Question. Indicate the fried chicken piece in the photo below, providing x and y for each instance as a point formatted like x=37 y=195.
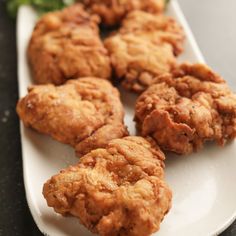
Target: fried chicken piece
x=114 y=191
x=66 y=45
x=137 y=60
x=144 y=48
x=184 y=109
x=84 y=113
x=113 y=11
x=159 y=28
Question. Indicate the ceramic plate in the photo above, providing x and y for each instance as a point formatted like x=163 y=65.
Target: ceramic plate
x=203 y=184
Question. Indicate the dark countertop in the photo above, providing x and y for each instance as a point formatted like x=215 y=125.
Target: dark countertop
x=15 y=218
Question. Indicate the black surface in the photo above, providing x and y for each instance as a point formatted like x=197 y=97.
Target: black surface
x=15 y=218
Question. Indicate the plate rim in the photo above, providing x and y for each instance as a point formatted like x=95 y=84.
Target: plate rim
x=189 y=34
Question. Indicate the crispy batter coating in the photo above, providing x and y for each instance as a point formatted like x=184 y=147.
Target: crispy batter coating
x=66 y=45
x=84 y=113
x=144 y=47
x=113 y=11
x=183 y=110
x=114 y=191
x=160 y=28
x=138 y=60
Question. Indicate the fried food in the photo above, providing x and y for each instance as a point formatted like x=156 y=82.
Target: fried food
x=159 y=28
x=66 y=45
x=144 y=48
x=137 y=60
x=184 y=109
x=114 y=191
x=113 y=11
x=84 y=113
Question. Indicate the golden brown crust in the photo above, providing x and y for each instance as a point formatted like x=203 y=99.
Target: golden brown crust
x=144 y=48
x=112 y=12
x=183 y=110
x=66 y=45
x=138 y=60
x=159 y=28
x=114 y=191
x=78 y=113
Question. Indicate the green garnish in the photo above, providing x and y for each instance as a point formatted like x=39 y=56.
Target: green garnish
x=41 y=6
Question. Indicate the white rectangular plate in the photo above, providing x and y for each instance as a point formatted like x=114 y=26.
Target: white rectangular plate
x=203 y=184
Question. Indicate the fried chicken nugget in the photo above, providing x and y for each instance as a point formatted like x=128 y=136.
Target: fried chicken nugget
x=138 y=60
x=159 y=28
x=84 y=113
x=114 y=191
x=183 y=110
x=66 y=45
x=113 y=11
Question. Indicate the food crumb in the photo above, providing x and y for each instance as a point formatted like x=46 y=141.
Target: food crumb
x=5 y=116
x=6 y=112
x=4 y=120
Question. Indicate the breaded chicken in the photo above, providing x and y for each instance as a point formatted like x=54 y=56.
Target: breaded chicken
x=114 y=191
x=66 y=45
x=138 y=60
x=159 y=28
x=113 y=11
x=84 y=113
x=183 y=110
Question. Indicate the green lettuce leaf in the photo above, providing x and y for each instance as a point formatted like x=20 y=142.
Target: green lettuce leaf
x=42 y=6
